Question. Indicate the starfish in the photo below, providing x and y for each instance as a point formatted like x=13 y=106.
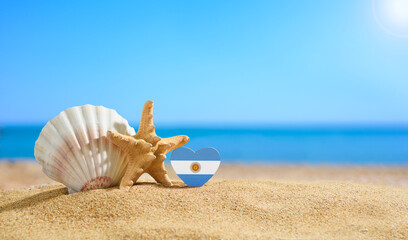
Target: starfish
x=146 y=151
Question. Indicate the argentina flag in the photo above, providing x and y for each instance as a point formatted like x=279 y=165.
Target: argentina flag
x=195 y=168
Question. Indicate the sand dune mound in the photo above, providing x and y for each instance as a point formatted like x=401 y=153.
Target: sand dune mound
x=221 y=209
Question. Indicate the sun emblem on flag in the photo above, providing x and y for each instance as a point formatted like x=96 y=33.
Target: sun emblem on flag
x=195 y=167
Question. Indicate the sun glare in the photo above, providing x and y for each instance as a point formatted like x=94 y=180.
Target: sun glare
x=392 y=16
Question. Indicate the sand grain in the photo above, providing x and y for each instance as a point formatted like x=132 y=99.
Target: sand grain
x=228 y=209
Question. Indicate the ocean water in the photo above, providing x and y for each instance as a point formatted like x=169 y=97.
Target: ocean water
x=305 y=145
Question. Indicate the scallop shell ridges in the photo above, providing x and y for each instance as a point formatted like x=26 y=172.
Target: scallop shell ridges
x=73 y=148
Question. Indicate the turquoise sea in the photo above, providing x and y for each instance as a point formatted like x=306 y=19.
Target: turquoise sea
x=310 y=145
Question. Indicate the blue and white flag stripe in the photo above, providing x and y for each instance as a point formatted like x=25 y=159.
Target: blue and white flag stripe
x=195 y=180
x=206 y=167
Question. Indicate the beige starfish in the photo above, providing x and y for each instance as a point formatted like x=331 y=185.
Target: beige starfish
x=146 y=151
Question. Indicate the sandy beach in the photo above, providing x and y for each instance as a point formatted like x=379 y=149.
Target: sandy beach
x=240 y=202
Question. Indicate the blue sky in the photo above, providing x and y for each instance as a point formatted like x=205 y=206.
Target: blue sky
x=202 y=61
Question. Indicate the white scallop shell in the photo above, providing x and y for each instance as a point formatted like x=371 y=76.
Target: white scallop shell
x=73 y=149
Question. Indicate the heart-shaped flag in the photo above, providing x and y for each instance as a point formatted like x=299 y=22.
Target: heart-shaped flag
x=195 y=168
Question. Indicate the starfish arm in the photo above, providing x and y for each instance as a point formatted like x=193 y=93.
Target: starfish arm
x=166 y=145
x=157 y=170
x=146 y=121
x=137 y=163
x=146 y=127
x=124 y=142
x=127 y=181
x=139 y=155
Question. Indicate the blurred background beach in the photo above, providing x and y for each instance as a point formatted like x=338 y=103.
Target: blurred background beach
x=335 y=145
x=311 y=83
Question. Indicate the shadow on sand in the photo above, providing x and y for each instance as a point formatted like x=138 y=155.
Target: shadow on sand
x=175 y=185
x=50 y=194
x=34 y=199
